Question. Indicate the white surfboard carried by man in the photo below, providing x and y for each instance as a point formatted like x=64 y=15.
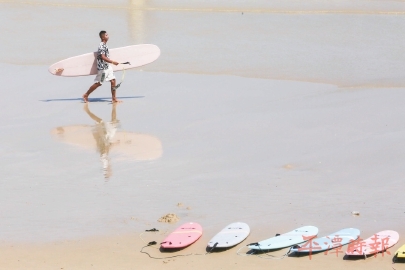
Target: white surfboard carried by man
x=104 y=62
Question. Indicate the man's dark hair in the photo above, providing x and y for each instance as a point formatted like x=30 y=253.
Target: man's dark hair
x=101 y=34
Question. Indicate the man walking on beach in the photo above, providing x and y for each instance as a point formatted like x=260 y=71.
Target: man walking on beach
x=104 y=70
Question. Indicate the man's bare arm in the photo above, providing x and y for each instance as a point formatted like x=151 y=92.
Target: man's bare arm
x=105 y=58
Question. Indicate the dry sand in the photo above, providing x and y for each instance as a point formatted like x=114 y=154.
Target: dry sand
x=122 y=252
x=289 y=114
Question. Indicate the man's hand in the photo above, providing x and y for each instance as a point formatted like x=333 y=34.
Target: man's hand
x=115 y=63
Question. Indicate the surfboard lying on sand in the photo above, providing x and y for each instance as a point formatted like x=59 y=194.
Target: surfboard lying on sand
x=400 y=253
x=334 y=240
x=230 y=236
x=86 y=64
x=183 y=236
x=378 y=242
x=294 y=237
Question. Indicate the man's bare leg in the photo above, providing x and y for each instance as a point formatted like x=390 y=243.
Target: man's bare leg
x=114 y=113
x=91 y=89
x=114 y=99
x=92 y=115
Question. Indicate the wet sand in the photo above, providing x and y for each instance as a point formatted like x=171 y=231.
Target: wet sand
x=276 y=118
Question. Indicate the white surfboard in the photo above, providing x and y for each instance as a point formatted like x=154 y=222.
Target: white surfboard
x=231 y=235
x=86 y=64
x=333 y=240
x=294 y=237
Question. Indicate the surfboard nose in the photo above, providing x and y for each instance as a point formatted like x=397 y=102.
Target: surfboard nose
x=56 y=70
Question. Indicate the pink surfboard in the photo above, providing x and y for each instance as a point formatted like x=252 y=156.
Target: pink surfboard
x=183 y=236
x=378 y=242
x=86 y=64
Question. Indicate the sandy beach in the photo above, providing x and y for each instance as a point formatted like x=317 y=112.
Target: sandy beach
x=279 y=114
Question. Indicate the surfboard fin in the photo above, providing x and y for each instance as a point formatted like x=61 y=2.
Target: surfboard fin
x=214 y=246
x=152 y=230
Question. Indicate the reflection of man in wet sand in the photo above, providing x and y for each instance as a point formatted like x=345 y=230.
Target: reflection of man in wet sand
x=103 y=133
x=105 y=137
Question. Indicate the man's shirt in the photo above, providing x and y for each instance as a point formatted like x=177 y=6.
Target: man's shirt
x=102 y=49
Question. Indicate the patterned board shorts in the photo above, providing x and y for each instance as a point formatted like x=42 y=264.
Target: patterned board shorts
x=104 y=75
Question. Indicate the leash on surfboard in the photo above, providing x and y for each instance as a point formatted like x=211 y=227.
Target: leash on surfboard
x=123 y=75
x=262 y=251
x=153 y=243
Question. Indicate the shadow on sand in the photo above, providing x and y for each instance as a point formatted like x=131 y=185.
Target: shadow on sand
x=303 y=254
x=271 y=253
x=103 y=99
x=358 y=257
x=219 y=250
x=395 y=259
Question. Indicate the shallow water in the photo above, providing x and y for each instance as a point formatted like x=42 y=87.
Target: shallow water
x=346 y=43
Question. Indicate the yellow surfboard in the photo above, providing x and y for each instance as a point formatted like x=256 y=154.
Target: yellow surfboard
x=400 y=253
